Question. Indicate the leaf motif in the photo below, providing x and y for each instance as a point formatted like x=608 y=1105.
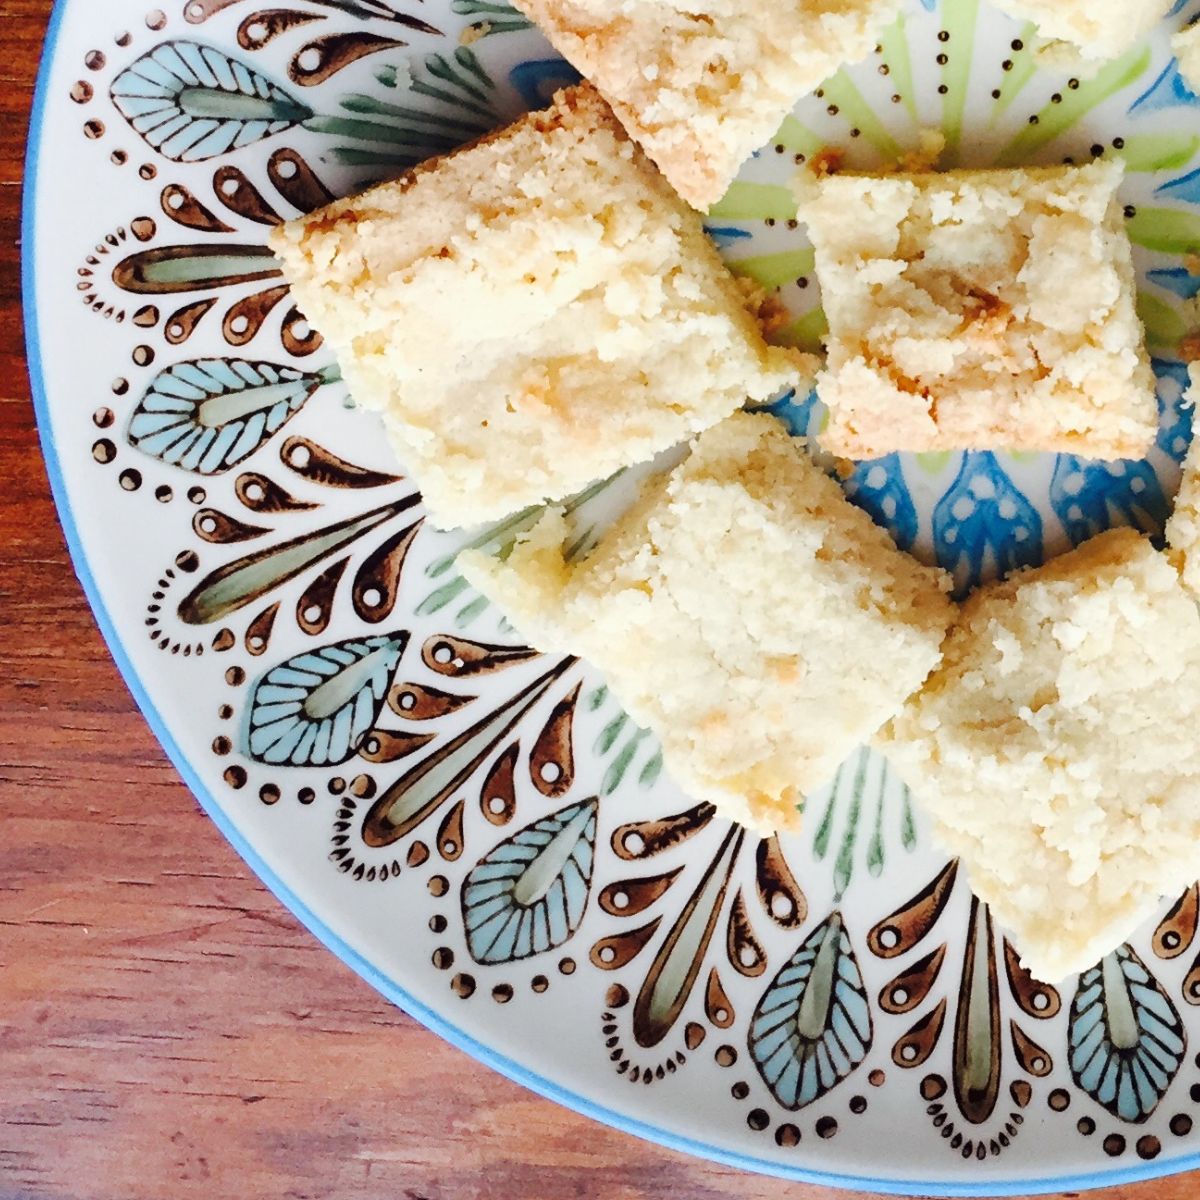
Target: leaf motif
x=210 y=414
x=977 y=1057
x=1176 y=415
x=801 y=415
x=315 y=708
x=812 y=1027
x=1126 y=1042
x=984 y=527
x=411 y=799
x=1090 y=497
x=529 y=894
x=192 y=102
x=1169 y=90
x=676 y=967
x=880 y=489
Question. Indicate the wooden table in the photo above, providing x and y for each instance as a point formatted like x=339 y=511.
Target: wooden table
x=166 y=1028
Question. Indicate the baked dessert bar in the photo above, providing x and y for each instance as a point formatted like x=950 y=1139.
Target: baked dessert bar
x=1087 y=33
x=703 y=85
x=1055 y=748
x=531 y=313
x=980 y=309
x=744 y=611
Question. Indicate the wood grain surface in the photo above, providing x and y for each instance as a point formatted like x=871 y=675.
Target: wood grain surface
x=166 y=1028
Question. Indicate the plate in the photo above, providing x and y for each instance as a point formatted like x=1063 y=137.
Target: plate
x=367 y=732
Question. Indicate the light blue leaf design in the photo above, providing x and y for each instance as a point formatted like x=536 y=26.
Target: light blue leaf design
x=726 y=235
x=529 y=894
x=799 y=414
x=1179 y=281
x=880 y=489
x=315 y=709
x=984 y=527
x=1175 y=417
x=1126 y=1042
x=212 y=413
x=1090 y=497
x=1186 y=187
x=812 y=1027
x=1168 y=91
x=192 y=102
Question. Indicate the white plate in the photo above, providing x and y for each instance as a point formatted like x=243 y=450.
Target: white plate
x=284 y=554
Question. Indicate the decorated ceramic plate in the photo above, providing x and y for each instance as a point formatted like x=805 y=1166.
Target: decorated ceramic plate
x=831 y=1006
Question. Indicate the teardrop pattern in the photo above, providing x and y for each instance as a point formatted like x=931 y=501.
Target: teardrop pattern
x=1177 y=930
x=676 y=966
x=911 y=923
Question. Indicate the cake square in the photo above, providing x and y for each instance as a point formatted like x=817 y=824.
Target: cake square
x=744 y=611
x=1087 y=33
x=980 y=310
x=1056 y=748
x=531 y=313
x=702 y=86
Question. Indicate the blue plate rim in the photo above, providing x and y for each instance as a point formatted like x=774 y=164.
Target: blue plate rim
x=388 y=988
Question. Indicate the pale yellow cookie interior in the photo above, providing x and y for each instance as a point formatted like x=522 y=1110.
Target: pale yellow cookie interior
x=980 y=310
x=531 y=313
x=744 y=611
x=1085 y=34
x=702 y=85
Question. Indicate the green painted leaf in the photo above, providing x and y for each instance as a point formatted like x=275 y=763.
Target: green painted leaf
x=806 y=332
x=1169 y=230
x=774 y=270
x=1164 y=326
x=755 y=202
x=1158 y=151
x=840 y=90
x=1056 y=118
x=798 y=138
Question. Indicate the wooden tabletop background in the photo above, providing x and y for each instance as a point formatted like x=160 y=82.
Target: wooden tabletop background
x=166 y=1028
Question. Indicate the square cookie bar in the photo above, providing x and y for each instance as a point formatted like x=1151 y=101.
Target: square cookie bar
x=703 y=85
x=980 y=310
x=744 y=611
x=531 y=313
x=1088 y=33
x=1056 y=748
